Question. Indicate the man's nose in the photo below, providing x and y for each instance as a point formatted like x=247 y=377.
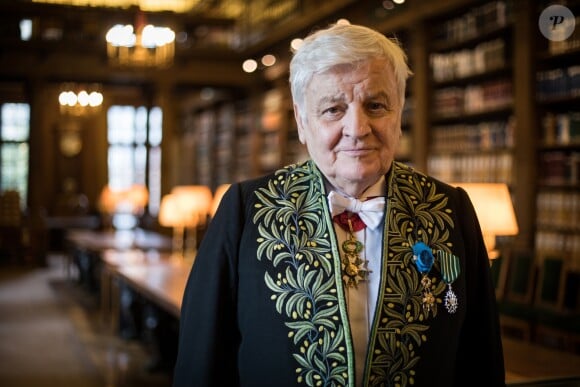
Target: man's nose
x=357 y=123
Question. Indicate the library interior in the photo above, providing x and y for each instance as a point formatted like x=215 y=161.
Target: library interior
x=123 y=122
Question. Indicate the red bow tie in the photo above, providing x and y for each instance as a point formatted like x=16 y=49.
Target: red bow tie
x=343 y=219
x=368 y=212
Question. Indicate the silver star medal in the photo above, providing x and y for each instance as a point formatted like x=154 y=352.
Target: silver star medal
x=449 y=266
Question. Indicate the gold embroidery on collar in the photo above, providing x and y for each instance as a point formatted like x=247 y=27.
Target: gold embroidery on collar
x=302 y=278
x=305 y=285
x=415 y=211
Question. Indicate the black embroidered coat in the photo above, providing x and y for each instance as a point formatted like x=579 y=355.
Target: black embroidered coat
x=264 y=303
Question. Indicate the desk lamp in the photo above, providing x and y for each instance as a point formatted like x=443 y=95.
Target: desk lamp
x=108 y=202
x=138 y=196
x=194 y=203
x=494 y=209
x=171 y=215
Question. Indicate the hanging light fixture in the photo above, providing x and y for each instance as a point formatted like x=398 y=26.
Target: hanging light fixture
x=142 y=45
x=80 y=99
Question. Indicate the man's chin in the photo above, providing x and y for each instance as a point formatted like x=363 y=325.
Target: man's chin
x=361 y=175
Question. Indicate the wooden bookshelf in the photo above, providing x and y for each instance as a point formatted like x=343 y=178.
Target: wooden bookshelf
x=557 y=95
x=471 y=111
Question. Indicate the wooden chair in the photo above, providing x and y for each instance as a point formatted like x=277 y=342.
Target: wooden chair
x=551 y=283
x=557 y=305
x=515 y=307
x=12 y=233
x=499 y=271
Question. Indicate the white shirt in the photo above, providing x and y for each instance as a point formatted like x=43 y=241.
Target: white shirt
x=362 y=300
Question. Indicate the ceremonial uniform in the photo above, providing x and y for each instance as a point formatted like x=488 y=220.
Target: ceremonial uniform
x=265 y=302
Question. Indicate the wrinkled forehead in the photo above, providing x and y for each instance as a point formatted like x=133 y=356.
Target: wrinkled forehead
x=372 y=64
x=374 y=76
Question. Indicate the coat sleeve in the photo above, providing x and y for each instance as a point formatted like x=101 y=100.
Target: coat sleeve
x=208 y=332
x=480 y=345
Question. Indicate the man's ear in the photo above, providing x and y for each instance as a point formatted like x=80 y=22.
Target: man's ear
x=299 y=124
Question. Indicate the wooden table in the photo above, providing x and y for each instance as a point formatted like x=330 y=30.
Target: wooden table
x=90 y=245
x=57 y=227
x=113 y=261
x=98 y=241
x=162 y=282
x=132 y=266
x=107 y=249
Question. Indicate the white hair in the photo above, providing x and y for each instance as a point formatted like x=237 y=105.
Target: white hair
x=344 y=44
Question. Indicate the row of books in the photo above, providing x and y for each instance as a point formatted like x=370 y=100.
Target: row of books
x=486 y=135
x=560 y=168
x=405 y=148
x=558 y=83
x=242 y=169
x=270 y=155
x=483 y=97
x=225 y=144
x=225 y=135
x=204 y=140
x=408 y=111
x=561 y=129
x=568 y=245
x=475 y=21
x=472 y=168
x=558 y=209
x=296 y=152
x=484 y=57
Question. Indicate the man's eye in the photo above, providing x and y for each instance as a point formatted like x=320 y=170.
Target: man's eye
x=332 y=110
x=374 y=106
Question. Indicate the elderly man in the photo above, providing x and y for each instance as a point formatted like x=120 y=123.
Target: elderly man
x=350 y=269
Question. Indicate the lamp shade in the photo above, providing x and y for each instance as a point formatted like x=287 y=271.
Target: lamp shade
x=170 y=214
x=109 y=200
x=194 y=202
x=138 y=196
x=493 y=206
x=217 y=198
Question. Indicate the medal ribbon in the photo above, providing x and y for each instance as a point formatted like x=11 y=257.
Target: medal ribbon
x=449 y=266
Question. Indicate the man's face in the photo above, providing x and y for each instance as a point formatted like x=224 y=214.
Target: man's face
x=352 y=123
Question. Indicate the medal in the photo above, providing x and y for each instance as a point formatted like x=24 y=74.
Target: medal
x=354 y=269
x=423 y=258
x=451 y=300
x=449 y=271
x=428 y=300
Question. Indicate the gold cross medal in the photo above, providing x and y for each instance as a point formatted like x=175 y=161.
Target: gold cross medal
x=423 y=258
x=354 y=269
x=449 y=266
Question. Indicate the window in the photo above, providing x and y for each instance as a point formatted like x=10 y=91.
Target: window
x=14 y=149
x=134 y=136
x=25 y=29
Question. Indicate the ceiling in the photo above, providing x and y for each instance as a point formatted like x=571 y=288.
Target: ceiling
x=224 y=8
x=213 y=37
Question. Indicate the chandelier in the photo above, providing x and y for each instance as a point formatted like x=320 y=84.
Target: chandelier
x=79 y=100
x=144 y=45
